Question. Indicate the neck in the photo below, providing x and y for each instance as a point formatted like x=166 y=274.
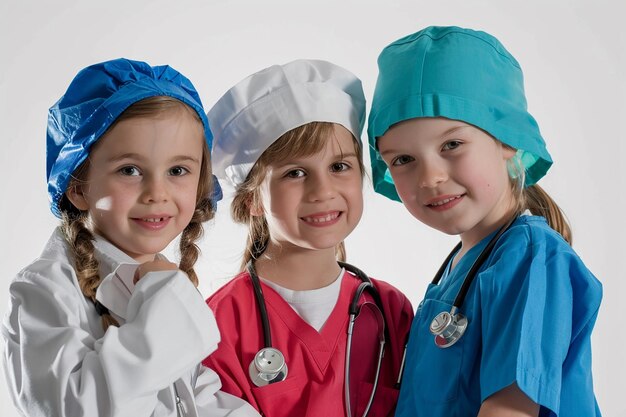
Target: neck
x=298 y=268
x=469 y=240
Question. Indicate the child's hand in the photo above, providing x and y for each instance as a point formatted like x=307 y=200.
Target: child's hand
x=151 y=266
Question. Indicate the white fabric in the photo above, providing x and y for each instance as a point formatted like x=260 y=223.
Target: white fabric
x=314 y=306
x=267 y=104
x=59 y=362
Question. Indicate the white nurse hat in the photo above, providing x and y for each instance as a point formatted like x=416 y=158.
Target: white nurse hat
x=267 y=104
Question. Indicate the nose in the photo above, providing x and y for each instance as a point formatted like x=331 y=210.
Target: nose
x=321 y=187
x=432 y=173
x=155 y=190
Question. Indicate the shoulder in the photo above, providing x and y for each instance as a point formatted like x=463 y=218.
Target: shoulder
x=529 y=235
x=238 y=290
x=534 y=230
x=393 y=300
x=52 y=268
x=532 y=250
x=389 y=293
x=45 y=288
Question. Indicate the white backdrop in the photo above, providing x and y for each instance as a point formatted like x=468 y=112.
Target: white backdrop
x=572 y=52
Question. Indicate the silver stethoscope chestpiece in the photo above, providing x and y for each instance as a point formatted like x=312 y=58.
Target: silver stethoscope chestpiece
x=268 y=366
x=448 y=328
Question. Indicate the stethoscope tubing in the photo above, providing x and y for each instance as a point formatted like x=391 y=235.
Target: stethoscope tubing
x=449 y=327
x=366 y=285
x=260 y=300
x=381 y=354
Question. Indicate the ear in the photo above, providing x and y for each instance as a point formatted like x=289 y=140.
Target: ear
x=77 y=197
x=256 y=209
x=507 y=151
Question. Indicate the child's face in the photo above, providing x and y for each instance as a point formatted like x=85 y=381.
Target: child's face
x=142 y=182
x=314 y=202
x=450 y=175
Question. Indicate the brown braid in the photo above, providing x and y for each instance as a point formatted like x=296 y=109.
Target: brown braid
x=188 y=248
x=205 y=211
x=80 y=241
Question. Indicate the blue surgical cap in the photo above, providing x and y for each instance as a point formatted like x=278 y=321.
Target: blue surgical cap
x=458 y=74
x=94 y=100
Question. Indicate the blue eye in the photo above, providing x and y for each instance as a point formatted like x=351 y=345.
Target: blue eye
x=450 y=145
x=401 y=160
x=129 y=170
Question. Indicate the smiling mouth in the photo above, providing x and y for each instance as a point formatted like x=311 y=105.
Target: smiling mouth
x=154 y=219
x=152 y=223
x=444 y=201
x=321 y=219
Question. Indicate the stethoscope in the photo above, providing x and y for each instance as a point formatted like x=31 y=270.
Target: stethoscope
x=449 y=327
x=269 y=366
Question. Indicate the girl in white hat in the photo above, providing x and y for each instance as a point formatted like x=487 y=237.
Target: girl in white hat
x=288 y=139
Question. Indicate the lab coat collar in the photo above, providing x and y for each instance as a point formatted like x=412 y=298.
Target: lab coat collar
x=117 y=271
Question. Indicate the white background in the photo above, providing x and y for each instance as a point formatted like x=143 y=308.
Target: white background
x=574 y=58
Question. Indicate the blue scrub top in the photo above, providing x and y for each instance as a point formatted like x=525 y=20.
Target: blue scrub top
x=531 y=310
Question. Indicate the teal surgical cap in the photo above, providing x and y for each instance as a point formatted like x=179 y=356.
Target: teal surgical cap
x=458 y=74
x=94 y=100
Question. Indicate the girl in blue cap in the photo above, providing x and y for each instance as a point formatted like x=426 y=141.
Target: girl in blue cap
x=101 y=324
x=505 y=326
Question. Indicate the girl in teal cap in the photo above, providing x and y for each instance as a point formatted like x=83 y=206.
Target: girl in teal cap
x=101 y=324
x=505 y=327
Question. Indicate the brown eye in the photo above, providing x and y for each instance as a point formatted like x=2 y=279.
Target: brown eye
x=339 y=167
x=295 y=173
x=178 y=171
x=129 y=170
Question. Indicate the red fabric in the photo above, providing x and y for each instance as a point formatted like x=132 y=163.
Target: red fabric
x=315 y=382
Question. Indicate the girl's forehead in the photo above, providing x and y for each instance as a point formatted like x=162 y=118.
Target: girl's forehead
x=336 y=144
x=169 y=133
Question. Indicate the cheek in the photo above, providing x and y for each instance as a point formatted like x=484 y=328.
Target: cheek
x=356 y=201
x=406 y=189
x=107 y=199
x=277 y=197
x=491 y=179
x=187 y=199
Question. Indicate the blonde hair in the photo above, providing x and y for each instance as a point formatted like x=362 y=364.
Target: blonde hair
x=302 y=141
x=535 y=199
x=78 y=230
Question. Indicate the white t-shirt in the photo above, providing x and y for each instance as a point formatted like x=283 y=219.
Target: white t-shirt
x=314 y=306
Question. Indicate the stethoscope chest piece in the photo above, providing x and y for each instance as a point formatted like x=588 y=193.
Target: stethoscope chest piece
x=448 y=328
x=268 y=366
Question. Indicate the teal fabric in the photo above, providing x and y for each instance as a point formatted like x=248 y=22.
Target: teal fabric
x=458 y=74
x=531 y=311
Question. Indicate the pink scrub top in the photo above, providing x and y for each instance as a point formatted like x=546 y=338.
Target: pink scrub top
x=316 y=361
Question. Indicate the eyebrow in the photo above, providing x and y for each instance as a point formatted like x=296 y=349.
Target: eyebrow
x=453 y=129
x=447 y=132
x=346 y=155
x=297 y=161
x=130 y=155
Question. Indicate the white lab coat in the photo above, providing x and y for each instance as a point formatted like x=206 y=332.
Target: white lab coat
x=59 y=362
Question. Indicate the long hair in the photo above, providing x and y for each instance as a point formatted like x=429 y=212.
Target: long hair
x=302 y=141
x=77 y=227
x=536 y=200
